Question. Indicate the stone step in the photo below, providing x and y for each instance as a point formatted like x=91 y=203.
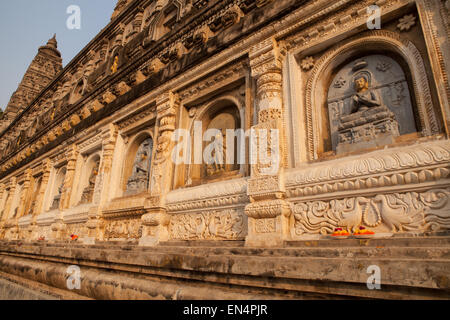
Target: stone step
x=404 y=248
x=421 y=272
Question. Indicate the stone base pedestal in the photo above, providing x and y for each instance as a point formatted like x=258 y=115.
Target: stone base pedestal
x=367 y=129
x=88 y=240
x=58 y=229
x=270 y=232
x=154 y=228
x=148 y=242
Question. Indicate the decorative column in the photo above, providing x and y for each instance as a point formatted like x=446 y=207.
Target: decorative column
x=38 y=208
x=268 y=211
x=95 y=223
x=155 y=222
x=2 y=211
x=58 y=227
x=24 y=196
x=8 y=224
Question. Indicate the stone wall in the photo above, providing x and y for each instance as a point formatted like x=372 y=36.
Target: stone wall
x=375 y=154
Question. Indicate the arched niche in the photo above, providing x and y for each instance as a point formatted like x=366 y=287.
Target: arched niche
x=166 y=14
x=382 y=43
x=218 y=116
x=88 y=179
x=79 y=90
x=57 y=190
x=137 y=168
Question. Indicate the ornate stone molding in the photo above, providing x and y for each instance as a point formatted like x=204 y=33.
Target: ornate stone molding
x=213 y=82
x=205 y=193
x=392 y=167
x=268 y=209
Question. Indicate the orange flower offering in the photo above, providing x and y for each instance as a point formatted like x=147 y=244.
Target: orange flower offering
x=363 y=231
x=74 y=237
x=339 y=232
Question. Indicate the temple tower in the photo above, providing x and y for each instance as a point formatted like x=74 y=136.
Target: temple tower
x=45 y=66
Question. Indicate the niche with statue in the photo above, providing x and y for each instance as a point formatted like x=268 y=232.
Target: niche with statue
x=369 y=104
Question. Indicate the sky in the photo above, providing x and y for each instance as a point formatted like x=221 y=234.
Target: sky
x=25 y=25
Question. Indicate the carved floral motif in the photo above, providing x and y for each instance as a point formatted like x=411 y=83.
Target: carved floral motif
x=407 y=22
x=307 y=63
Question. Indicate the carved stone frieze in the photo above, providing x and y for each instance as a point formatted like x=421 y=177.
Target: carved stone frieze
x=212 y=225
x=123 y=229
x=398 y=212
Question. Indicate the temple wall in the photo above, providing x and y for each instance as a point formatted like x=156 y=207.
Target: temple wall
x=104 y=170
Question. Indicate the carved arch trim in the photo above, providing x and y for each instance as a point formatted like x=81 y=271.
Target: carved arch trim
x=390 y=41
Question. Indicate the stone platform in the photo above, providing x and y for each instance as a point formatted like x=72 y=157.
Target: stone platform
x=411 y=268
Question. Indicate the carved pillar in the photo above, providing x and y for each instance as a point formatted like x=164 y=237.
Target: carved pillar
x=102 y=186
x=435 y=24
x=58 y=227
x=8 y=224
x=155 y=222
x=2 y=207
x=268 y=211
x=24 y=197
x=38 y=208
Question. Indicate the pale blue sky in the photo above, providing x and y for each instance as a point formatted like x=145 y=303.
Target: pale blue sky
x=25 y=25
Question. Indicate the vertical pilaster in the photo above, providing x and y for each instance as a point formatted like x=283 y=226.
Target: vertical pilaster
x=8 y=223
x=435 y=24
x=58 y=227
x=2 y=207
x=25 y=194
x=155 y=222
x=23 y=201
x=102 y=186
x=38 y=208
x=268 y=211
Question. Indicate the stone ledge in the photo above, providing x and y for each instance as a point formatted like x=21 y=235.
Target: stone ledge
x=417 y=268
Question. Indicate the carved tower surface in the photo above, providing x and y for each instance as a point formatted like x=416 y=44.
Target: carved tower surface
x=45 y=66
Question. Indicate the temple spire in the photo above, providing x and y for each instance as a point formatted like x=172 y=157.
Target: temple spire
x=42 y=70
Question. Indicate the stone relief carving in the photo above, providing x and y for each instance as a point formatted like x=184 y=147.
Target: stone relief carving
x=369 y=103
x=88 y=192
x=123 y=229
x=138 y=182
x=218 y=165
x=213 y=225
x=398 y=212
x=391 y=41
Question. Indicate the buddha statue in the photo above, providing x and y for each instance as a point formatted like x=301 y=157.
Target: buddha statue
x=364 y=98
